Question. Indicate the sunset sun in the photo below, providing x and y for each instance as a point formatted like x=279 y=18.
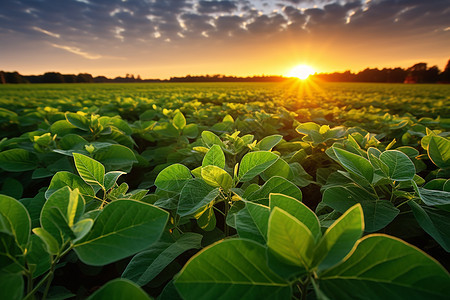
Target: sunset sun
x=301 y=72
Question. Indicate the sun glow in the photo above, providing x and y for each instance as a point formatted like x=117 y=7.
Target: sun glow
x=301 y=72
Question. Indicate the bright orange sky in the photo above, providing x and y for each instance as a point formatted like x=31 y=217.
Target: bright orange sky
x=164 y=38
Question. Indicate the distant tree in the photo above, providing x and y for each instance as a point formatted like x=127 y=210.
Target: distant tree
x=431 y=75
x=84 y=78
x=69 y=78
x=14 y=77
x=2 y=77
x=417 y=73
x=52 y=77
x=445 y=75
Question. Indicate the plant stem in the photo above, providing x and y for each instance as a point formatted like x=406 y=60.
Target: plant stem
x=226 y=227
x=304 y=287
x=30 y=294
x=47 y=287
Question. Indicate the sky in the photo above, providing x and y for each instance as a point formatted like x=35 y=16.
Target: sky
x=164 y=38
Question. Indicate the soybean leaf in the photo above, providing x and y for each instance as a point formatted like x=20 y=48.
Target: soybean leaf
x=252 y=222
x=254 y=163
x=439 y=151
x=14 y=219
x=279 y=168
x=119 y=289
x=195 y=195
x=147 y=264
x=111 y=179
x=179 y=121
x=437 y=198
x=123 y=228
x=290 y=239
x=214 y=157
x=267 y=143
x=18 y=160
x=173 y=178
x=244 y=273
x=298 y=210
x=401 y=168
x=51 y=244
x=354 y=163
x=89 y=169
x=11 y=286
x=190 y=131
x=63 y=178
x=434 y=222
x=382 y=265
x=275 y=184
x=78 y=121
x=377 y=213
x=217 y=177
x=116 y=157
x=210 y=139
x=339 y=238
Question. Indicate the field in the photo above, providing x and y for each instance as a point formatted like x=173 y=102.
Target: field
x=238 y=190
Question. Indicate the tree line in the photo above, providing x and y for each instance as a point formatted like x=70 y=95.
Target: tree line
x=418 y=73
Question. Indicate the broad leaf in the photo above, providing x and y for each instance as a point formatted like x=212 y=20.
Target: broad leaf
x=123 y=228
x=339 y=238
x=119 y=289
x=195 y=195
x=89 y=169
x=439 y=151
x=382 y=265
x=354 y=163
x=267 y=143
x=252 y=222
x=290 y=239
x=111 y=179
x=179 y=121
x=298 y=210
x=401 y=168
x=63 y=178
x=434 y=222
x=254 y=163
x=217 y=177
x=214 y=157
x=244 y=273
x=277 y=185
x=18 y=160
x=173 y=178
x=11 y=286
x=78 y=121
x=147 y=264
x=14 y=219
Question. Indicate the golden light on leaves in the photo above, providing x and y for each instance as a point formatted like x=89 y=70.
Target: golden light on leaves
x=301 y=72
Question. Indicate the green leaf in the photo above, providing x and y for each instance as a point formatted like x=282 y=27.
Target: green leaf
x=78 y=121
x=62 y=209
x=434 y=197
x=15 y=219
x=382 y=265
x=401 y=168
x=339 y=238
x=210 y=139
x=290 y=239
x=51 y=244
x=299 y=211
x=278 y=185
x=279 y=168
x=252 y=222
x=173 y=178
x=207 y=219
x=267 y=143
x=11 y=286
x=89 y=169
x=63 y=178
x=214 y=157
x=116 y=157
x=434 y=222
x=82 y=228
x=12 y=187
x=439 y=151
x=119 y=289
x=111 y=179
x=354 y=163
x=123 y=228
x=38 y=256
x=18 y=160
x=196 y=194
x=146 y=265
x=190 y=131
x=377 y=213
x=217 y=177
x=244 y=273
x=179 y=121
x=254 y=163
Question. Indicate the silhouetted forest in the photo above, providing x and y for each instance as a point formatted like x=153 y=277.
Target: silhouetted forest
x=418 y=73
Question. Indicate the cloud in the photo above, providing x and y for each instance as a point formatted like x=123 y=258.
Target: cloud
x=77 y=51
x=55 y=35
x=207 y=7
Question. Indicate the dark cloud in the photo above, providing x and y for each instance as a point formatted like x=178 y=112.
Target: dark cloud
x=207 y=7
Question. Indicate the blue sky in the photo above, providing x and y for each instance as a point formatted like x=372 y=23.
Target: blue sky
x=163 y=38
